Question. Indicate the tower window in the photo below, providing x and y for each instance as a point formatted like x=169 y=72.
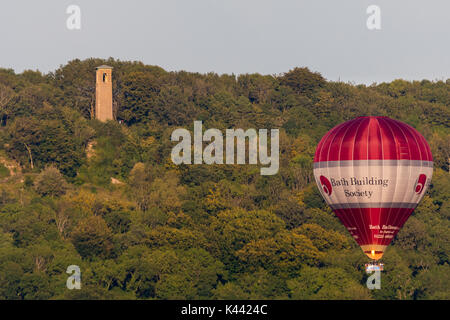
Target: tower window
x=104 y=77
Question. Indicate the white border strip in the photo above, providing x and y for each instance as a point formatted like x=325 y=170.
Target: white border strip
x=359 y=205
x=357 y=163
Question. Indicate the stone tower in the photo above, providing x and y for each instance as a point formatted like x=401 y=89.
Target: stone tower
x=103 y=94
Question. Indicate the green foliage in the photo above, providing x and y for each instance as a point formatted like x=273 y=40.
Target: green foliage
x=303 y=81
x=285 y=253
x=4 y=171
x=326 y=283
x=231 y=230
x=256 y=285
x=50 y=182
x=92 y=237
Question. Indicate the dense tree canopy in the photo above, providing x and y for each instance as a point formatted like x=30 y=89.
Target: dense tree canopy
x=106 y=196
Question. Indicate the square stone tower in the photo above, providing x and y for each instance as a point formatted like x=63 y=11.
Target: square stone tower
x=103 y=94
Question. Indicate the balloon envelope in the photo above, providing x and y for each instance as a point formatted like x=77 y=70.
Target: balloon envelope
x=373 y=171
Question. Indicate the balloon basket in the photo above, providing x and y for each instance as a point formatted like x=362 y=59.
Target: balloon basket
x=374 y=266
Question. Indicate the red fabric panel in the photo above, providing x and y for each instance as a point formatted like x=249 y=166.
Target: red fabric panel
x=363 y=218
x=373 y=138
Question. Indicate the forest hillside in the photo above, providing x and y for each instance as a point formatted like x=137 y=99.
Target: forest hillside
x=107 y=197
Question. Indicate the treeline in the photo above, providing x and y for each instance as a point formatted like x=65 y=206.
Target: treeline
x=106 y=196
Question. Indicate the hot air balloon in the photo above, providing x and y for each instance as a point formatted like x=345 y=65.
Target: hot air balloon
x=373 y=172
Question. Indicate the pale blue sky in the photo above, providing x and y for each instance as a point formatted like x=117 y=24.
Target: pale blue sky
x=235 y=36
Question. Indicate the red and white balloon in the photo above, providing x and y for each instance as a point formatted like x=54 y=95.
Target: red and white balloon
x=373 y=171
